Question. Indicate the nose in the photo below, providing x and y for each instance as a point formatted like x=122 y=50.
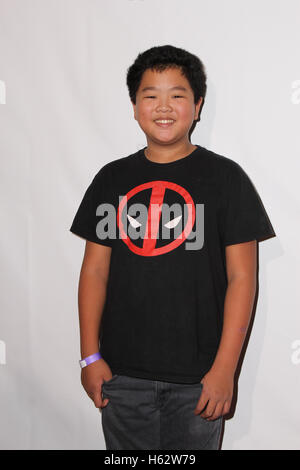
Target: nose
x=164 y=105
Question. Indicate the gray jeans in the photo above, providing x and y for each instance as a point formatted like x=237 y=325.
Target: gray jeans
x=147 y=414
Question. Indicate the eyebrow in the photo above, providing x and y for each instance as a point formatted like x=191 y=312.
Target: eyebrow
x=182 y=88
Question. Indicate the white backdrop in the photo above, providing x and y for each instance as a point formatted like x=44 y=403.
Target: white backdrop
x=64 y=113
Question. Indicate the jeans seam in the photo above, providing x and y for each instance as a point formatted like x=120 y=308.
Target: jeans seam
x=218 y=438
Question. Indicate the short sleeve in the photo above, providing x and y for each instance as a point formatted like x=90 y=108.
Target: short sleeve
x=245 y=217
x=89 y=221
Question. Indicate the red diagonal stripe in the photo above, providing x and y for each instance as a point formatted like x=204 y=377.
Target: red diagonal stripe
x=154 y=212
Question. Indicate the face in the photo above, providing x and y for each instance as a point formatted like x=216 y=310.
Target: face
x=165 y=96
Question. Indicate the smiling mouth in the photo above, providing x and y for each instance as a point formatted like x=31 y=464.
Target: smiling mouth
x=164 y=122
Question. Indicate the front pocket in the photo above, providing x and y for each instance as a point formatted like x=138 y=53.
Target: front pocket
x=107 y=382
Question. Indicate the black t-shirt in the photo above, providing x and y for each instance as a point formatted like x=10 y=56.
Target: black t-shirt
x=168 y=226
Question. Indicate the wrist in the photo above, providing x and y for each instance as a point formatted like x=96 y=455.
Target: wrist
x=90 y=359
x=223 y=369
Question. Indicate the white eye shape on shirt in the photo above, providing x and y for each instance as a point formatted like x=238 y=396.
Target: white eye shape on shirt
x=133 y=222
x=170 y=224
x=173 y=223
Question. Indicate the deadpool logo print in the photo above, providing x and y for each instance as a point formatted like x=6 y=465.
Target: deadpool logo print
x=156 y=217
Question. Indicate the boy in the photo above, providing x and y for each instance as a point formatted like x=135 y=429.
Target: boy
x=165 y=300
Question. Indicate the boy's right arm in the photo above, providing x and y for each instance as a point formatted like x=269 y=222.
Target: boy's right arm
x=91 y=299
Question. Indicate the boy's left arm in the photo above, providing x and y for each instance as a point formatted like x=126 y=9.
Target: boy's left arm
x=241 y=267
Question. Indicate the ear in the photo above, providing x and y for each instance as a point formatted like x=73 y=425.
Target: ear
x=134 y=110
x=197 y=109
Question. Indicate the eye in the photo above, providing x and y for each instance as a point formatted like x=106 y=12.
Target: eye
x=178 y=96
x=133 y=222
x=173 y=223
x=150 y=97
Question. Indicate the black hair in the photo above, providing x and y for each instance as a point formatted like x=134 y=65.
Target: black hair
x=163 y=57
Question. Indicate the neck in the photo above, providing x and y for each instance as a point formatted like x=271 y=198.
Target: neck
x=168 y=153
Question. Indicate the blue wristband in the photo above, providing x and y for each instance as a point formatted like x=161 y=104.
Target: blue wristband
x=89 y=360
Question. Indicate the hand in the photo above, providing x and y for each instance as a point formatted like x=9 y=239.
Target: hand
x=92 y=378
x=216 y=393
